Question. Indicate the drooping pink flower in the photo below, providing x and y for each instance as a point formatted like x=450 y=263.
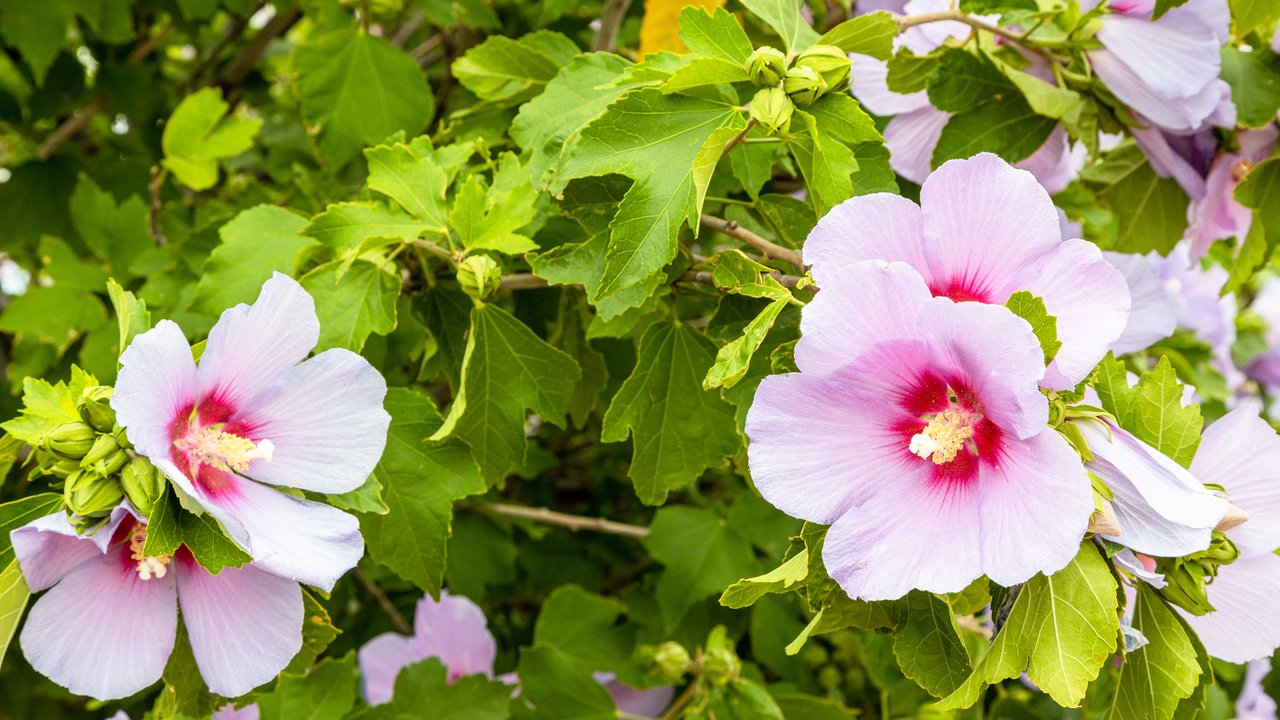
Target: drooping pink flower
x=454 y=631
x=917 y=430
x=1254 y=703
x=1240 y=452
x=1167 y=69
x=107 y=624
x=1217 y=215
x=917 y=125
x=1162 y=509
x=257 y=413
x=1265 y=368
x=984 y=230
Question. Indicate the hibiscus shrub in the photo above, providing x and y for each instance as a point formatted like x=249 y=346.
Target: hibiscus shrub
x=669 y=359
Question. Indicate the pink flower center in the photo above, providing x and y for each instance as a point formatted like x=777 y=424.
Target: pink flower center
x=945 y=435
x=962 y=290
x=209 y=445
x=948 y=428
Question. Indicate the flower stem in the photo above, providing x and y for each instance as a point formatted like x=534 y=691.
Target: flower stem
x=572 y=522
x=768 y=248
x=957 y=16
x=402 y=626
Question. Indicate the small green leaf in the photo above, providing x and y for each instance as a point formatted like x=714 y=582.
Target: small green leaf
x=411 y=539
x=747 y=591
x=424 y=690
x=13 y=600
x=327 y=692
x=352 y=305
x=1254 y=77
x=170 y=526
x=1156 y=677
x=504 y=69
x=198 y=135
x=131 y=314
x=715 y=34
x=352 y=227
x=585 y=626
x=1152 y=410
x=116 y=232
x=16 y=513
x=256 y=243
x=870 y=34
x=1249 y=15
x=678 y=428
x=733 y=359
x=411 y=178
x=1151 y=211
x=825 y=162
x=785 y=18
x=490 y=218
x=928 y=645
x=1045 y=326
x=704 y=71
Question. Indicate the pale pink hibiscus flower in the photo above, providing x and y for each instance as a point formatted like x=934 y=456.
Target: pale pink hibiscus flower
x=257 y=413
x=917 y=430
x=1166 y=70
x=107 y=624
x=1265 y=368
x=983 y=231
x=454 y=631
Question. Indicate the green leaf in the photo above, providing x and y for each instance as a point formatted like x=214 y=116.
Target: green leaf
x=1260 y=190
x=1045 y=326
x=785 y=18
x=184 y=693
x=1164 y=6
x=46 y=406
x=446 y=312
x=131 y=314
x=57 y=315
x=256 y=243
x=585 y=626
x=423 y=690
x=561 y=687
x=909 y=72
x=198 y=135
x=702 y=553
x=733 y=359
x=13 y=600
x=963 y=81
x=870 y=34
x=1151 y=211
x=825 y=162
x=1060 y=631
x=317 y=634
x=16 y=513
x=489 y=218
x=360 y=89
x=354 y=304
x=327 y=692
x=37 y=30
x=411 y=538
x=678 y=428
x=747 y=591
x=743 y=699
x=115 y=232
x=502 y=69
x=669 y=145
x=352 y=227
x=570 y=335
x=1247 y=15
x=717 y=35
x=1156 y=677
x=1007 y=127
x=704 y=71
x=927 y=644
x=1254 y=77
x=1152 y=410
x=170 y=527
x=507 y=370
x=411 y=178
x=841 y=117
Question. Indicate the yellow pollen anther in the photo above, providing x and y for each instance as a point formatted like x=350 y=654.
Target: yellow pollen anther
x=223 y=450
x=149 y=566
x=944 y=436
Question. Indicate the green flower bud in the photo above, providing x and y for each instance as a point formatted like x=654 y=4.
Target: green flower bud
x=62 y=468
x=479 y=276
x=815 y=655
x=95 y=408
x=122 y=439
x=1184 y=585
x=772 y=109
x=766 y=66
x=804 y=85
x=143 y=483
x=830 y=678
x=854 y=679
x=720 y=664
x=672 y=661
x=71 y=440
x=830 y=62
x=104 y=447
x=89 y=494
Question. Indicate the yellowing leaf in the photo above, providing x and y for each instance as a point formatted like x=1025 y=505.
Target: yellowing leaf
x=660 y=29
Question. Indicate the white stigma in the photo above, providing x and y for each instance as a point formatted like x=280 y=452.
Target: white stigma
x=923 y=445
x=944 y=437
x=148 y=566
x=224 y=450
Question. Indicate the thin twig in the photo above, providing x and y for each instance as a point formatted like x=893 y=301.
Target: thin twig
x=158 y=175
x=733 y=142
x=240 y=65
x=425 y=50
x=957 y=16
x=435 y=249
x=610 y=20
x=675 y=708
x=529 y=281
x=144 y=48
x=234 y=29
x=768 y=248
x=407 y=28
x=704 y=277
x=572 y=522
x=69 y=127
x=522 y=281
x=402 y=626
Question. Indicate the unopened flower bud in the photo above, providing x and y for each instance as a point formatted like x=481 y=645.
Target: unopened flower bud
x=122 y=439
x=720 y=666
x=672 y=661
x=772 y=109
x=95 y=408
x=830 y=62
x=70 y=440
x=766 y=66
x=1184 y=585
x=89 y=494
x=1234 y=518
x=105 y=457
x=143 y=483
x=1105 y=521
x=830 y=678
x=479 y=276
x=803 y=85
x=62 y=468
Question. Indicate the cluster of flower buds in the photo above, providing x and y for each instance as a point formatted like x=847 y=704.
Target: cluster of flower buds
x=669 y=661
x=93 y=460
x=1186 y=577
x=817 y=71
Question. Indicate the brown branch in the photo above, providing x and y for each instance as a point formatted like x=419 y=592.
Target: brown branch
x=402 y=626
x=957 y=16
x=610 y=20
x=522 y=281
x=158 y=175
x=704 y=277
x=436 y=250
x=406 y=29
x=768 y=248
x=69 y=127
x=241 y=65
x=235 y=27
x=572 y=522
x=144 y=48
x=736 y=139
